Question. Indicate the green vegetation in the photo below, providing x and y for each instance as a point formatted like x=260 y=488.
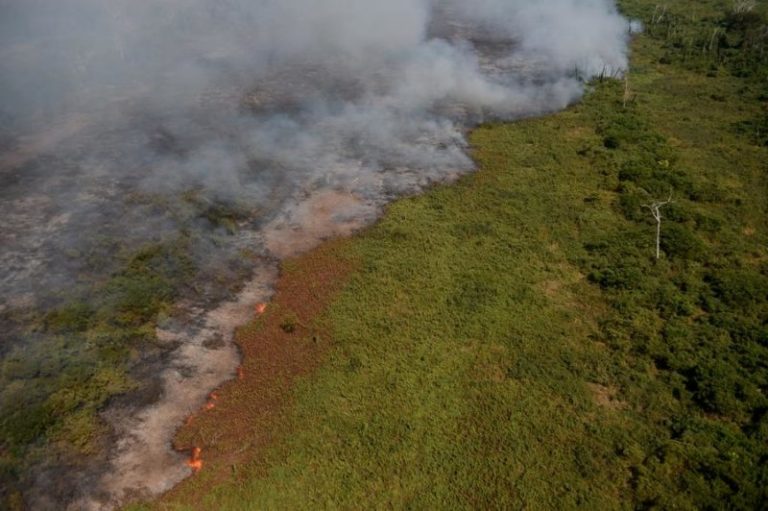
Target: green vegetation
x=66 y=359
x=512 y=342
x=77 y=355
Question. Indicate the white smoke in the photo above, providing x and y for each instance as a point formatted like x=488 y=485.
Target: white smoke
x=329 y=74
x=585 y=34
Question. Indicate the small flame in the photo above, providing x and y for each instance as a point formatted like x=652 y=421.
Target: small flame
x=210 y=405
x=195 y=462
x=240 y=373
x=260 y=308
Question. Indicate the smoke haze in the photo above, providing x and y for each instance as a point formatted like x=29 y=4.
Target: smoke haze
x=305 y=115
x=259 y=99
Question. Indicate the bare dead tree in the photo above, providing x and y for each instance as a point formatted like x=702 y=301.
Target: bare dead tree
x=655 y=208
x=717 y=32
x=658 y=14
x=627 y=91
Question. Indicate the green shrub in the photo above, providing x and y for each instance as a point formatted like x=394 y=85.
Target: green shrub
x=679 y=241
x=739 y=287
x=619 y=277
x=289 y=323
x=70 y=318
x=611 y=142
x=713 y=384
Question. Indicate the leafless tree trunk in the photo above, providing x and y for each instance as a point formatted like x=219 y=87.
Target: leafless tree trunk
x=627 y=91
x=655 y=208
x=658 y=14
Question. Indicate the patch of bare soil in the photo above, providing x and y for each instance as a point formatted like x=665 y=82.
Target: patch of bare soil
x=606 y=397
x=322 y=216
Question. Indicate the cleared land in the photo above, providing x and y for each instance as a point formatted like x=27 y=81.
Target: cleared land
x=511 y=342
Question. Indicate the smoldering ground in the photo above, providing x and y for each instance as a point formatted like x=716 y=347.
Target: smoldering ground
x=129 y=122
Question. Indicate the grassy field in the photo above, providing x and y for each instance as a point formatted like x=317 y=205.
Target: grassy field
x=511 y=341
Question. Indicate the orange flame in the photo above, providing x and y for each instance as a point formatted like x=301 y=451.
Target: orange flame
x=240 y=373
x=210 y=405
x=195 y=462
x=260 y=308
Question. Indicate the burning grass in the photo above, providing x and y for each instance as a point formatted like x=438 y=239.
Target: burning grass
x=274 y=358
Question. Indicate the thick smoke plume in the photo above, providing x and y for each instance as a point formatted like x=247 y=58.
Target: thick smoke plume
x=305 y=115
x=258 y=99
